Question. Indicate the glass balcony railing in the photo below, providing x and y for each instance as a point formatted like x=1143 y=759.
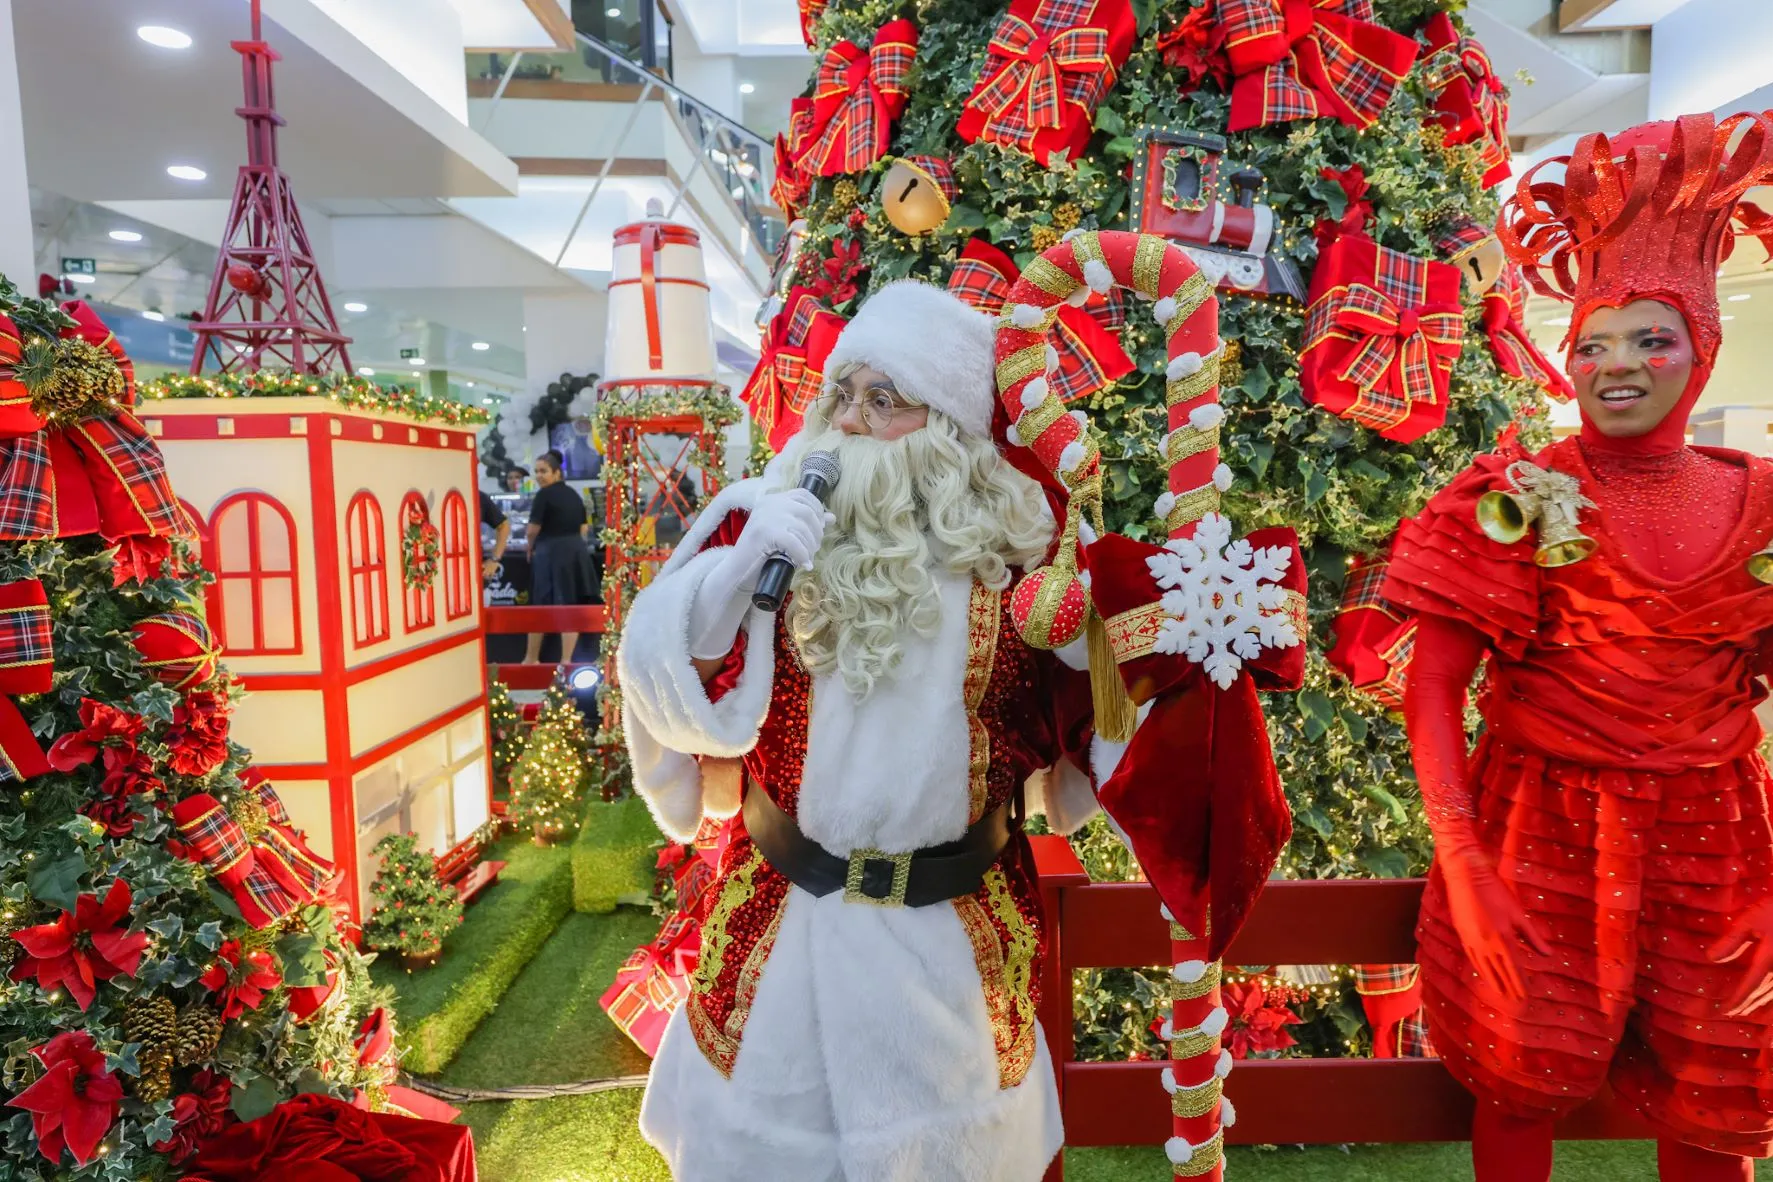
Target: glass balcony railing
x=736 y=158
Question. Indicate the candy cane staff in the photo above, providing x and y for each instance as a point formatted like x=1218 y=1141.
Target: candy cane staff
x=1601 y=905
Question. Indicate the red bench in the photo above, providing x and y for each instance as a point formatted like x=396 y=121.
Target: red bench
x=463 y=868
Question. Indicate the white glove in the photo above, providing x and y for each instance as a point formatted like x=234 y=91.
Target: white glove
x=790 y=523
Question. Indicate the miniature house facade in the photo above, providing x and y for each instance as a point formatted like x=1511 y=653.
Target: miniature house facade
x=366 y=698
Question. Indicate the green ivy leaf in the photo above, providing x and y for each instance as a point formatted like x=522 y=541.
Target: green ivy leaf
x=963 y=219
x=1314 y=819
x=255 y=1098
x=1392 y=805
x=304 y=962
x=1121 y=147
x=1256 y=382
x=1109 y=120
x=1261 y=455
x=1386 y=862
x=57 y=881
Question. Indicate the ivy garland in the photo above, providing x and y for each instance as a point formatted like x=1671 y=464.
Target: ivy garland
x=348 y=390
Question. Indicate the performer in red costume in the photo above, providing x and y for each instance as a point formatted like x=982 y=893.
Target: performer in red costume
x=1601 y=904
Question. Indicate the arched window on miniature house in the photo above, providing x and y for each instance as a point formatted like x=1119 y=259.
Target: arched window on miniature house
x=251 y=549
x=419 y=603
x=459 y=583
x=366 y=562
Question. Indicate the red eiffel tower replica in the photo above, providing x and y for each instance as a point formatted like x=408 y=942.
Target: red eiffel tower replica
x=267 y=304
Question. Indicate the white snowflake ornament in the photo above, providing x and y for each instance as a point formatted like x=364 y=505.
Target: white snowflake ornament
x=1224 y=599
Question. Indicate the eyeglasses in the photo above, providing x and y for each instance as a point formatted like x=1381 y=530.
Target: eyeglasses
x=878 y=407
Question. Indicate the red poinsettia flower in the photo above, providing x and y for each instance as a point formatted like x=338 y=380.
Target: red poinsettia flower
x=139 y=559
x=1259 y=1021
x=197 y=741
x=198 y=1115
x=73 y=1104
x=102 y=727
x=838 y=282
x=129 y=773
x=1197 y=48
x=83 y=947
x=242 y=978
x=1356 y=214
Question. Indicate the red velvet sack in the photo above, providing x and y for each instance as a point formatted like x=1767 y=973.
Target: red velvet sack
x=315 y=1138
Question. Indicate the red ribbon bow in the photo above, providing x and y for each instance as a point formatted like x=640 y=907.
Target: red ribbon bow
x=1306 y=59
x=1396 y=346
x=855 y=100
x=1473 y=103
x=791 y=371
x=269 y=873
x=1090 y=354
x=1505 y=311
x=1050 y=63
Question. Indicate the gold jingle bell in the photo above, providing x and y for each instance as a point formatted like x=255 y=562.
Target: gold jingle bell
x=1546 y=498
x=912 y=195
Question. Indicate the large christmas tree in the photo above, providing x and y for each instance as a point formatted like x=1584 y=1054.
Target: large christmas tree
x=1337 y=183
x=173 y=965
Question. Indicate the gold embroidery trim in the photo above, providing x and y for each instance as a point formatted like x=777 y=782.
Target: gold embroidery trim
x=984 y=618
x=1183 y=991
x=1086 y=248
x=1195 y=384
x=1133 y=634
x=1191 y=506
x=1188 y=441
x=1194 y=292
x=1205 y=1157
x=1148 y=264
x=1006 y=973
x=719 y=1048
x=1192 y=1045
x=1198 y=1100
x=746 y=993
x=1034 y=423
x=1023 y=363
x=1049 y=277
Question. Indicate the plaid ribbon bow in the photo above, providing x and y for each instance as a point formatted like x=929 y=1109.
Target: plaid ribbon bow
x=1090 y=353
x=262 y=860
x=855 y=100
x=26 y=667
x=1050 y=63
x=1306 y=59
x=1505 y=311
x=1396 y=348
x=1472 y=102
x=791 y=371
x=791 y=186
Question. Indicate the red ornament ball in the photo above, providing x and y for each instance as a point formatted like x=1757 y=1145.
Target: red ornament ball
x=248 y=281
x=1050 y=609
x=178 y=648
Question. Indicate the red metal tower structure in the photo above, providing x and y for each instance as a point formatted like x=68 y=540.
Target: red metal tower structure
x=267 y=303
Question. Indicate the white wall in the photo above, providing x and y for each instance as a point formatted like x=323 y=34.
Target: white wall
x=713 y=78
x=420 y=38
x=1708 y=55
x=564 y=334
x=17 y=259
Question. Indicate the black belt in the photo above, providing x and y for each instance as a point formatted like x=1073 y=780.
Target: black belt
x=918 y=879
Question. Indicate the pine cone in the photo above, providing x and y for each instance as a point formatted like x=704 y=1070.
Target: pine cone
x=200 y=1032
x=1067 y=216
x=1044 y=237
x=151 y=1021
x=84 y=381
x=154 y=1084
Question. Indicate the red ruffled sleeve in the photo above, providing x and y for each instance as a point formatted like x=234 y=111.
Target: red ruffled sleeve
x=1442 y=564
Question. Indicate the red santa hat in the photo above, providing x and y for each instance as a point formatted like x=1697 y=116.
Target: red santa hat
x=937 y=349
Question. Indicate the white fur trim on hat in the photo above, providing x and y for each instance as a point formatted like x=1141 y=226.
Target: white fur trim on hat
x=936 y=348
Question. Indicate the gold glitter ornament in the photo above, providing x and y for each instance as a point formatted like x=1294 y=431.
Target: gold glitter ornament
x=1231 y=366
x=84 y=381
x=1044 y=237
x=1067 y=217
x=250 y=813
x=845 y=193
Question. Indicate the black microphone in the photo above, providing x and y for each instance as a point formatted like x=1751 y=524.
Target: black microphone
x=818 y=475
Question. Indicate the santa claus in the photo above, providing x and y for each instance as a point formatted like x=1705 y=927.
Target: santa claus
x=864 y=1007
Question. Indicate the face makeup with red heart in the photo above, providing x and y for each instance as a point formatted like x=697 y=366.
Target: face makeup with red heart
x=1630 y=367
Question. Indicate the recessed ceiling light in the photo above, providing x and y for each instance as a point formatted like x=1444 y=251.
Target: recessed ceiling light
x=418 y=360
x=80 y=278
x=163 y=37
x=125 y=236
x=526 y=328
x=186 y=172
x=470 y=385
x=480 y=346
x=1558 y=321
x=354 y=306
x=1737 y=299
x=614 y=11
x=415 y=373
x=747 y=88
x=155 y=316
x=366 y=371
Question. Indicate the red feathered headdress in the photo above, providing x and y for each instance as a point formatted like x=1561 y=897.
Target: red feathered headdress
x=1646 y=215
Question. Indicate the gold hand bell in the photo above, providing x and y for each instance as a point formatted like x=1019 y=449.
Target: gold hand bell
x=1548 y=498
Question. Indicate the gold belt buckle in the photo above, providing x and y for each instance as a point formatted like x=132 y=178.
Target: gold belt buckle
x=852 y=886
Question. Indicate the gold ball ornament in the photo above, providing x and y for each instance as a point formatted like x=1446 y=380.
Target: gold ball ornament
x=1050 y=607
x=913 y=203
x=1067 y=217
x=1043 y=238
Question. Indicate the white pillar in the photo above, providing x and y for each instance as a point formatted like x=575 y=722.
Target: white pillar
x=18 y=252
x=562 y=334
x=1742 y=428
x=711 y=77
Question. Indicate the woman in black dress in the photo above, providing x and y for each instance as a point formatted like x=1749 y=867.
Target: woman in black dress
x=561 y=571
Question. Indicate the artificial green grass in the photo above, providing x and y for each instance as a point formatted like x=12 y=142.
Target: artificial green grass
x=505 y=927
x=613 y=855
x=572 y=1139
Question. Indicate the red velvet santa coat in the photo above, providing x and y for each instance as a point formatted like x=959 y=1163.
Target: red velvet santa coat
x=831 y=1039
x=1620 y=793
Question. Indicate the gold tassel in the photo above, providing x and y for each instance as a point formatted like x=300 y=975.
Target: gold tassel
x=1115 y=716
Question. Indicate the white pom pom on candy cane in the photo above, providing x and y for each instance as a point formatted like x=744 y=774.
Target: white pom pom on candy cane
x=1227 y=1114
x=1034 y=393
x=1164 y=310
x=1027 y=316
x=1184 y=366
x=1098 y=276
x=1206 y=416
x=1164 y=504
x=1072 y=456
x=1070 y=234
x=1222 y=478
x=1078 y=298
x=1052 y=359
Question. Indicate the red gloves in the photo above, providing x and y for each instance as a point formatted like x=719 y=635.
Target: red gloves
x=1490 y=921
